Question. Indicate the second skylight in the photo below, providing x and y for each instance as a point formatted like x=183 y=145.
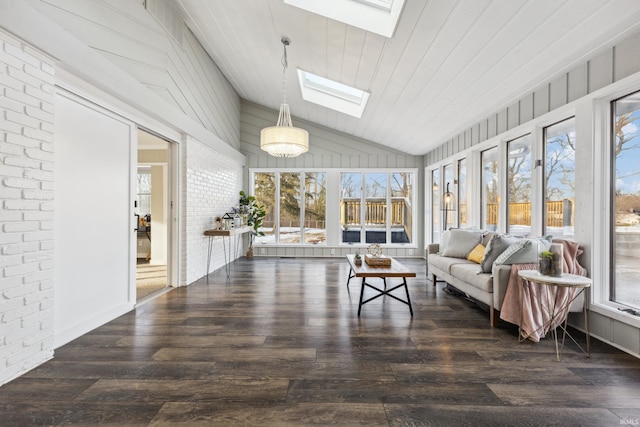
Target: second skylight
x=332 y=94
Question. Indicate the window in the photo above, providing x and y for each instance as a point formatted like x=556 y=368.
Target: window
x=283 y=222
x=144 y=190
x=435 y=205
x=350 y=203
x=264 y=190
x=559 y=178
x=490 y=189
x=625 y=214
x=331 y=94
x=462 y=193
x=375 y=193
x=376 y=207
x=448 y=211
x=519 y=186
x=315 y=202
x=289 y=226
x=401 y=207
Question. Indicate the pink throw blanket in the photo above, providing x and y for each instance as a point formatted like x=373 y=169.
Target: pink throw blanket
x=540 y=302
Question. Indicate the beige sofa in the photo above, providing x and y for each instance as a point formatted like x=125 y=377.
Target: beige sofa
x=485 y=280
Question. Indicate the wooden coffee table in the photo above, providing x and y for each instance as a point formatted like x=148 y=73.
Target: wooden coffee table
x=396 y=269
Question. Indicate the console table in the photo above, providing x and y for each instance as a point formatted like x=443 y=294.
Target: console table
x=394 y=270
x=551 y=304
x=228 y=234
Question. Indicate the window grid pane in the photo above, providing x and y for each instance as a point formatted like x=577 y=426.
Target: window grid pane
x=560 y=154
x=625 y=227
x=490 y=189
x=519 y=186
x=315 y=202
x=264 y=190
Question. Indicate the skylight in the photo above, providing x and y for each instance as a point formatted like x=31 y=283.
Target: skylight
x=331 y=94
x=376 y=16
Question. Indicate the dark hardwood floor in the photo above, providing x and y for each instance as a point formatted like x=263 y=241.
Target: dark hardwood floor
x=281 y=344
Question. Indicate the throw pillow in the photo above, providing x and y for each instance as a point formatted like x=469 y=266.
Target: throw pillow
x=461 y=243
x=444 y=240
x=524 y=251
x=476 y=254
x=496 y=246
x=486 y=238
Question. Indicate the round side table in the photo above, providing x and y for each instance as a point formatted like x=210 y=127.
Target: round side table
x=555 y=308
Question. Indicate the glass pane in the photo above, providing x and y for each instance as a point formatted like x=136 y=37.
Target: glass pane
x=462 y=193
x=264 y=190
x=350 y=213
x=289 y=208
x=560 y=154
x=401 y=206
x=490 y=189
x=519 y=186
x=375 y=192
x=315 y=202
x=448 y=211
x=435 y=206
x=626 y=210
x=144 y=191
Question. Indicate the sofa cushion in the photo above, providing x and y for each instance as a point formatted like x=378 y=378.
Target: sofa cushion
x=524 y=251
x=497 y=245
x=445 y=263
x=468 y=273
x=462 y=242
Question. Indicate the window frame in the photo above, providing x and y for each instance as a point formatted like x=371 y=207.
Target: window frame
x=332 y=215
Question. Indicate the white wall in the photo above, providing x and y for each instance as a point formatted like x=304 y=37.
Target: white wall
x=327 y=149
x=214 y=182
x=115 y=55
x=580 y=91
x=26 y=208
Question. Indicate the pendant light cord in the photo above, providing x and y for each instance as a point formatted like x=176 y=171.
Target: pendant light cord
x=285 y=65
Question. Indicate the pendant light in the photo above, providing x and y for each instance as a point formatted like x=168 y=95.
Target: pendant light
x=284 y=140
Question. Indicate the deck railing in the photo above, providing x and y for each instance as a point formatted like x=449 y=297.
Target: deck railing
x=559 y=213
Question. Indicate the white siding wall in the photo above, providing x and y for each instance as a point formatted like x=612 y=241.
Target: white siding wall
x=116 y=54
x=571 y=92
x=327 y=149
x=26 y=209
x=214 y=183
x=160 y=53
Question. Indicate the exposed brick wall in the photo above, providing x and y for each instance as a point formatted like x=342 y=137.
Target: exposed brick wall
x=26 y=207
x=211 y=186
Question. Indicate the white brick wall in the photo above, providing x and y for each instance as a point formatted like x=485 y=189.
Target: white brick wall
x=211 y=187
x=26 y=208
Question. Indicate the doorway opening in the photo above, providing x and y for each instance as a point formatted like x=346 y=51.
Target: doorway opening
x=153 y=213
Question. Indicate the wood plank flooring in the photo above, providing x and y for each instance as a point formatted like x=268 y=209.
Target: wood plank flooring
x=280 y=344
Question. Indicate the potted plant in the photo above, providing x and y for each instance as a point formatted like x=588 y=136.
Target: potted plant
x=255 y=213
x=358 y=258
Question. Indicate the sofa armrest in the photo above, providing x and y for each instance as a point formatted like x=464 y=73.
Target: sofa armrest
x=433 y=248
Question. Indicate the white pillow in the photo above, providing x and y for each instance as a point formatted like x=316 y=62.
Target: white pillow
x=461 y=243
x=524 y=251
x=444 y=241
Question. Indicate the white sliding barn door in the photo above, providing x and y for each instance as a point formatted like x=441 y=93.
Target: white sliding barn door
x=95 y=162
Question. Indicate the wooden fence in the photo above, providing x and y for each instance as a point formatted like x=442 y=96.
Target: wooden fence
x=559 y=213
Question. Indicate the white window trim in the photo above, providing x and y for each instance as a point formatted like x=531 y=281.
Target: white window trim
x=333 y=184
x=602 y=166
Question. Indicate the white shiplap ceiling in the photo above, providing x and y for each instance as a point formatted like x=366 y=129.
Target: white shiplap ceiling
x=449 y=64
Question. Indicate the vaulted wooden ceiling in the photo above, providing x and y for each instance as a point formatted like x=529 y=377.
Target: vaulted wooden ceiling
x=449 y=64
